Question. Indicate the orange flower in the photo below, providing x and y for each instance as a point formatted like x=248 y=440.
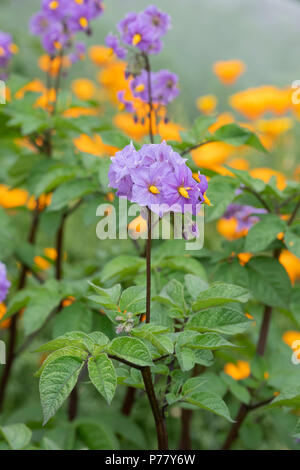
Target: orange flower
x=42 y=202
x=265 y=174
x=51 y=253
x=169 y=131
x=275 y=127
x=53 y=65
x=244 y=258
x=36 y=86
x=125 y=122
x=5 y=323
x=228 y=71
x=78 y=111
x=84 y=89
x=239 y=164
x=254 y=102
x=291 y=264
x=212 y=154
x=239 y=371
x=68 y=301
x=101 y=55
x=46 y=100
x=11 y=198
x=137 y=227
x=222 y=120
x=41 y=263
x=289 y=337
x=93 y=145
x=207 y=104
x=113 y=79
x=228 y=228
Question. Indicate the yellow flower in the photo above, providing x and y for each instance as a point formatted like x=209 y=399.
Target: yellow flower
x=83 y=88
x=212 y=154
x=100 y=55
x=68 y=301
x=207 y=103
x=53 y=65
x=289 y=337
x=41 y=263
x=244 y=258
x=11 y=198
x=36 y=86
x=291 y=264
x=265 y=174
x=77 y=111
x=275 y=127
x=46 y=100
x=240 y=370
x=93 y=145
x=169 y=131
x=125 y=122
x=222 y=120
x=5 y=323
x=228 y=71
x=228 y=229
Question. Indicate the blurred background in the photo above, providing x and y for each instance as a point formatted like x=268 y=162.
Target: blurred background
x=262 y=33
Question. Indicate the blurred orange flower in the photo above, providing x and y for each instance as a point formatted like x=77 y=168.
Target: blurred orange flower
x=93 y=145
x=240 y=370
x=207 y=103
x=5 y=323
x=101 y=55
x=291 y=264
x=53 y=65
x=212 y=154
x=228 y=71
x=83 y=88
x=265 y=174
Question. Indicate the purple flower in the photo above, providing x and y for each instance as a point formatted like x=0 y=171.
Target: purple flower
x=79 y=52
x=144 y=30
x=59 y=20
x=202 y=180
x=156 y=20
x=163 y=86
x=245 y=215
x=127 y=105
x=113 y=42
x=4 y=282
x=155 y=177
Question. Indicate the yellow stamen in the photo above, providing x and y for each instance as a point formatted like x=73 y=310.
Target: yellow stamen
x=14 y=48
x=83 y=22
x=136 y=39
x=121 y=106
x=153 y=189
x=196 y=177
x=183 y=192
x=57 y=45
x=140 y=87
x=206 y=200
x=2 y=51
x=110 y=52
x=80 y=2
x=53 y=5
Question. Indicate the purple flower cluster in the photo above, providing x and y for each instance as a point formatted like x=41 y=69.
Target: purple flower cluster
x=4 y=282
x=245 y=215
x=142 y=30
x=158 y=178
x=59 y=20
x=164 y=87
x=7 y=49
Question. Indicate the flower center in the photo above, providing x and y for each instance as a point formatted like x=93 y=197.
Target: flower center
x=206 y=200
x=196 y=177
x=13 y=48
x=83 y=22
x=140 y=87
x=156 y=21
x=153 y=189
x=2 y=51
x=53 y=5
x=184 y=192
x=57 y=45
x=80 y=2
x=136 y=39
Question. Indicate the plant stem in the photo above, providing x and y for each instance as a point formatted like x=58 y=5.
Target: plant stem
x=73 y=404
x=161 y=431
x=14 y=321
x=150 y=102
x=194 y=147
x=128 y=401
x=148 y=270
x=185 y=442
x=264 y=330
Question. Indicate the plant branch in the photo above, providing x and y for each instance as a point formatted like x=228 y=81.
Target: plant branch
x=195 y=147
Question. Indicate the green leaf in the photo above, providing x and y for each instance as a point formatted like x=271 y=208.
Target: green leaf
x=74 y=317
x=289 y=398
x=173 y=295
x=292 y=242
x=39 y=308
x=221 y=192
x=17 y=436
x=95 y=437
x=246 y=179
x=62 y=342
x=239 y=391
x=71 y=351
x=296 y=432
x=121 y=267
x=184 y=264
x=222 y=320
x=185 y=357
x=209 y=341
x=235 y=135
x=132 y=350
x=195 y=285
x=103 y=376
x=107 y=298
x=115 y=139
x=269 y=282
x=57 y=381
x=133 y=299
x=70 y=192
x=219 y=294
x=191 y=386
x=263 y=233
x=211 y=402
x=155 y=335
